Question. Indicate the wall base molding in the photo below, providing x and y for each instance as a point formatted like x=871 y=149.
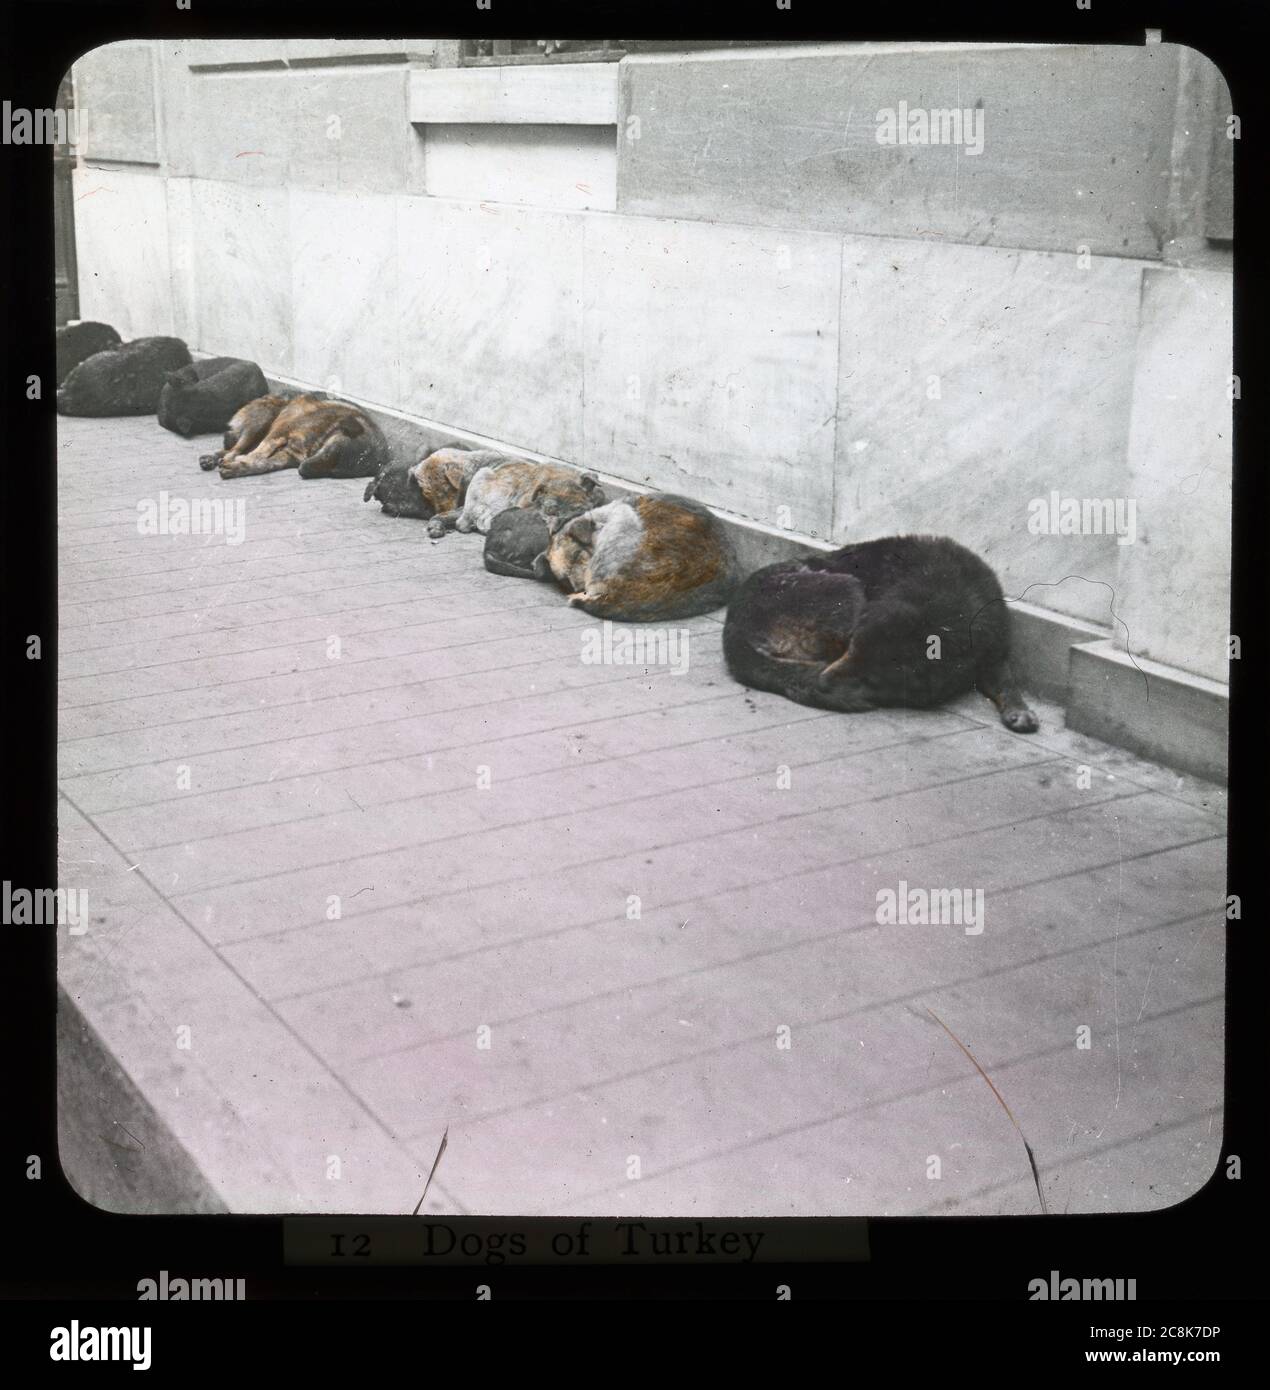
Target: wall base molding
x=1157 y=711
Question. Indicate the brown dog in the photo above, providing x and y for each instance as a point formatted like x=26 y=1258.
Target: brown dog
x=323 y=439
x=642 y=560
x=443 y=479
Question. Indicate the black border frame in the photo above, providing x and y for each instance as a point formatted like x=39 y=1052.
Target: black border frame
x=60 y=1248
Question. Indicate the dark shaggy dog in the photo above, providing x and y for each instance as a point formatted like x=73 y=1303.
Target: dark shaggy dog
x=126 y=380
x=907 y=620
x=77 y=342
x=201 y=398
x=515 y=540
x=397 y=492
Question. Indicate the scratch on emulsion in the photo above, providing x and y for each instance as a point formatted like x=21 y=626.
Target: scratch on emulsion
x=445 y=1139
x=1031 y=1157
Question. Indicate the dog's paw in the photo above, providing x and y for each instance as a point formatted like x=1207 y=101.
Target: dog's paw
x=208 y=461
x=436 y=529
x=1022 y=721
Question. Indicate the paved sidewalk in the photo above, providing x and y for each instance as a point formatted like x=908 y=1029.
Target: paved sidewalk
x=348 y=808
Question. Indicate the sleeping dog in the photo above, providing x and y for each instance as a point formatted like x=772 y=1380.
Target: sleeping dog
x=905 y=620
x=323 y=439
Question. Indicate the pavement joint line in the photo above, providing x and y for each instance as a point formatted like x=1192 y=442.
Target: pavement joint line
x=408 y=757
x=277 y=622
x=229 y=556
x=729 y=963
x=960 y=1206
x=489 y=642
x=400 y=568
x=943 y=1208
x=621 y=800
x=863 y=1109
x=257 y=602
x=644 y=673
x=281 y=647
x=207 y=486
x=626 y=990
x=673 y=907
x=430 y=899
x=113 y=518
x=101 y=550
x=124 y=509
x=283 y=548
x=972 y=719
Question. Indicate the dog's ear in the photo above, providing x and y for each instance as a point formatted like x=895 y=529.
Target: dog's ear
x=456 y=476
x=590 y=482
x=581 y=529
x=542 y=566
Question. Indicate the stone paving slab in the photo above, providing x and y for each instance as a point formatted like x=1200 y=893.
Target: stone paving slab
x=360 y=817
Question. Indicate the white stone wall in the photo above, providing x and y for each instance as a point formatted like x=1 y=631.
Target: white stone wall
x=1174 y=582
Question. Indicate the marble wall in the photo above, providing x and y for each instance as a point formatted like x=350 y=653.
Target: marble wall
x=973 y=380
x=122 y=246
x=346 y=323
x=554 y=166
x=242 y=271
x=491 y=321
x=1174 y=581
x=246 y=119
x=115 y=96
x=711 y=359
x=1076 y=141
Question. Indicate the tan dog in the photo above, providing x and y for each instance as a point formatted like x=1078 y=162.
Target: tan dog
x=323 y=439
x=555 y=493
x=443 y=479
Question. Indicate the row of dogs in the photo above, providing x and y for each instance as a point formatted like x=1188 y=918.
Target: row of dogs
x=900 y=621
x=852 y=630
